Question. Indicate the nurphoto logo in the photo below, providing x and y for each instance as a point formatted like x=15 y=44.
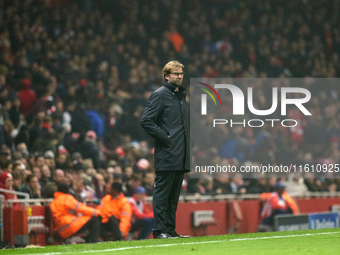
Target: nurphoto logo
x=238 y=104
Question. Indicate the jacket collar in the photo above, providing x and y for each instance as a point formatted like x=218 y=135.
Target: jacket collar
x=58 y=193
x=121 y=195
x=172 y=87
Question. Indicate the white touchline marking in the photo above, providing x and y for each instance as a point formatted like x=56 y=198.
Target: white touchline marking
x=270 y=237
x=175 y=244
x=131 y=247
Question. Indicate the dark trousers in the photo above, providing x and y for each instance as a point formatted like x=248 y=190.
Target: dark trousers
x=270 y=219
x=93 y=226
x=144 y=227
x=166 y=192
x=110 y=228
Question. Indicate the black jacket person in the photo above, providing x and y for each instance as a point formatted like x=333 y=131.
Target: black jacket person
x=166 y=119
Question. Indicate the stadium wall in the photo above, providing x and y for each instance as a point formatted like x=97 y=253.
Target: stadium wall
x=244 y=214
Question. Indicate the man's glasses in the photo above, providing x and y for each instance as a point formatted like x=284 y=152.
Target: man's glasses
x=178 y=74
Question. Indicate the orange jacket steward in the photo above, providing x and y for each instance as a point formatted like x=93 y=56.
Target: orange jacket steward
x=273 y=202
x=118 y=207
x=65 y=209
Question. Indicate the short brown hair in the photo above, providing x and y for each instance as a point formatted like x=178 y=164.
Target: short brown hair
x=170 y=66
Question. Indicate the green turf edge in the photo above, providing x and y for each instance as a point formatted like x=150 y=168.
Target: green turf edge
x=79 y=248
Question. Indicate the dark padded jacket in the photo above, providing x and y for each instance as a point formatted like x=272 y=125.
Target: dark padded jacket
x=166 y=118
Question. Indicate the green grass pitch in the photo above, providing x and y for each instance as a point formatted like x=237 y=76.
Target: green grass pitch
x=318 y=242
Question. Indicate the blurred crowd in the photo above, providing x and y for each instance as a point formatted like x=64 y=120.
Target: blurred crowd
x=75 y=76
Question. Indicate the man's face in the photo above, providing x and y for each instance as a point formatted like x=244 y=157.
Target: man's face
x=280 y=191
x=101 y=181
x=45 y=170
x=37 y=172
x=22 y=147
x=10 y=168
x=149 y=179
x=135 y=184
x=128 y=171
x=118 y=170
x=272 y=182
x=9 y=183
x=176 y=77
x=68 y=179
x=40 y=162
x=114 y=193
x=17 y=182
x=139 y=197
x=18 y=169
x=59 y=176
x=34 y=183
x=50 y=162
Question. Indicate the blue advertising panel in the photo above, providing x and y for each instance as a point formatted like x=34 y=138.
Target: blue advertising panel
x=323 y=220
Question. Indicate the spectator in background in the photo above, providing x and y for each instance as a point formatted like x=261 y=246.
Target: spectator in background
x=313 y=184
x=62 y=159
x=37 y=172
x=27 y=96
x=97 y=122
x=115 y=211
x=69 y=179
x=14 y=113
x=259 y=187
x=31 y=186
x=130 y=186
x=237 y=184
x=45 y=175
x=148 y=182
x=39 y=160
x=79 y=190
x=99 y=183
x=46 y=137
x=272 y=181
x=17 y=181
x=295 y=186
x=6 y=165
x=128 y=171
x=52 y=186
x=88 y=149
x=22 y=148
x=221 y=185
x=17 y=168
x=142 y=217
x=6 y=182
x=195 y=186
x=331 y=186
x=25 y=173
x=50 y=160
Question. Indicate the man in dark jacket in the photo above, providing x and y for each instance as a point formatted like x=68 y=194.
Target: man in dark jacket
x=31 y=186
x=166 y=119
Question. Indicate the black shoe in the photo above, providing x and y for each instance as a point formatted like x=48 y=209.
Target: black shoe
x=174 y=234
x=162 y=236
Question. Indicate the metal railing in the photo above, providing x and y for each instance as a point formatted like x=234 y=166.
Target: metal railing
x=221 y=197
x=25 y=195
x=29 y=201
x=188 y=198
